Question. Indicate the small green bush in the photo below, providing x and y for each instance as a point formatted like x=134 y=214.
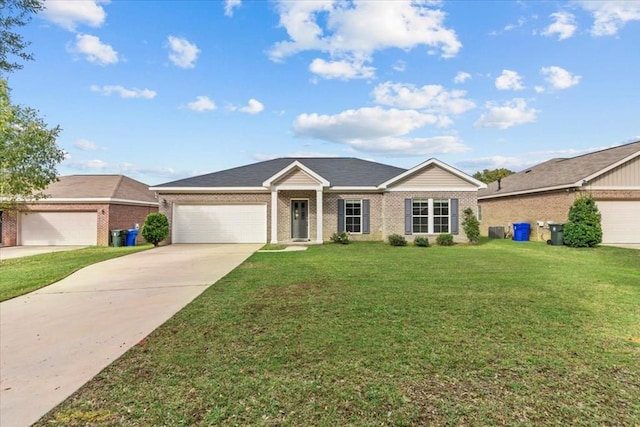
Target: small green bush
x=421 y=241
x=397 y=240
x=341 y=238
x=471 y=226
x=444 y=239
x=584 y=229
x=155 y=228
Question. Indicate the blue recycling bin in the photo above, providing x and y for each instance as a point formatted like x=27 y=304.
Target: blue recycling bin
x=131 y=237
x=521 y=231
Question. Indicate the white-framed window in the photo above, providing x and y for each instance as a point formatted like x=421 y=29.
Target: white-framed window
x=432 y=216
x=353 y=216
x=420 y=215
x=441 y=216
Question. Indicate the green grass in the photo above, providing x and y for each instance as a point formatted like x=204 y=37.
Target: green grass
x=19 y=276
x=504 y=333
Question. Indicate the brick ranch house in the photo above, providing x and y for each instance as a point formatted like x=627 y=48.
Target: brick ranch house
x=308 y=199
x=78 y=210
x=545 y=192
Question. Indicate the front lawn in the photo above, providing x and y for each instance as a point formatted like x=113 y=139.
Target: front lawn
x=19 y=276
x=505 y=333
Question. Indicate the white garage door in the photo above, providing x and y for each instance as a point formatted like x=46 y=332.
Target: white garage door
x=219 y=224
x=620 y=222
x=58 y=228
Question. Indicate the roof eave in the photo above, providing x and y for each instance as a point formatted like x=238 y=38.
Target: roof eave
x=530 y=191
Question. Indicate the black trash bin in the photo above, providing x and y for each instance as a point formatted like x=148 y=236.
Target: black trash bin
x=557 y=235
x=116 y=238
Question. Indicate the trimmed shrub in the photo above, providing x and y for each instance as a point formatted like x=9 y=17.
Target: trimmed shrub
x=471 y=226
x=584 y=229
x=341 y=238
x=421 y=241
x=155 y=228
x=397 y=240
x=444 y=239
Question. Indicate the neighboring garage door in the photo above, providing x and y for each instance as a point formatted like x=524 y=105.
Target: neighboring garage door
x=219 y=224
x=58 y=228
x=620 y=222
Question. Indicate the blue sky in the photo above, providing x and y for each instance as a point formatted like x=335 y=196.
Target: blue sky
x=161 y=90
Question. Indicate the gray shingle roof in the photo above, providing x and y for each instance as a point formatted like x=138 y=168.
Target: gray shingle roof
x=560 y=172
x=339 y=171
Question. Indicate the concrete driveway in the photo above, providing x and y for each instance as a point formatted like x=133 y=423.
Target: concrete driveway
x=22 y=251
x=56 y=339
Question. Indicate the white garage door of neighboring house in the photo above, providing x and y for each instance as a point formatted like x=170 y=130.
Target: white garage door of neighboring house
x=219 y=224
x=620 y=221
x=58 y=228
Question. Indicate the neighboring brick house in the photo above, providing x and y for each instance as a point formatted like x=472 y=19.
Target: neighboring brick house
x=308 y=199
x=78 y=210
x=544 y=193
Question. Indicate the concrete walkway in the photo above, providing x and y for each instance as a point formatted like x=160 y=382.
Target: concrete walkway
x=22 y=251
x=56 y=339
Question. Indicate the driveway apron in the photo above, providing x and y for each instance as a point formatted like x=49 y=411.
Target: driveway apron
x=54 y=340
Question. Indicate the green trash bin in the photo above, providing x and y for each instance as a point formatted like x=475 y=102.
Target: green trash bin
x=557 y=235
x=116 y=238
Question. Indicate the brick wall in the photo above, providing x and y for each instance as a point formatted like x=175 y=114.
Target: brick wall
x=393 y=210
x=386 y=210
x=9 y=228
x=109 y=217
x=550 y=206
x=123 y=217
x=330 y=212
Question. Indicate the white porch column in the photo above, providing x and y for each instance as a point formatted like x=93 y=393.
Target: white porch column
x=319 y=216
x=274 y=216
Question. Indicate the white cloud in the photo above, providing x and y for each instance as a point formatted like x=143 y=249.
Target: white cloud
x=202 y=103
x=229 y=5
x=253 y=107
x=509 y=80
x=610 y=16
x=461 y=77
x=183 y=53
x=510 y=113
x=343 y=69
x=559 y=78
x=400 y=66
x=564 y=25
x=69 y=14
x=86 y=145
x=377 y=130
x=336 y=28
x=539 y=89
x=94 y=50
x=124 y=92
x=431 y=98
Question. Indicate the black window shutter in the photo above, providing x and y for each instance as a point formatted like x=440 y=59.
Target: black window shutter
x=365 y=217
x=454 y=216
x=340 y=215
x=408 y=220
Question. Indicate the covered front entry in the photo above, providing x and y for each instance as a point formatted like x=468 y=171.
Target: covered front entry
x=299 y=220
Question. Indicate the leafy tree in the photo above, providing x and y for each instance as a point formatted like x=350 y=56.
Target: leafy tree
x=584 y=229
x=488 y=176
x=471 y=226
x=14 y=14
x=28 y=152
x=155 y=228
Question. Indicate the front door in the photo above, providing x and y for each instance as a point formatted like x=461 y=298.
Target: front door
x=299 y=219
